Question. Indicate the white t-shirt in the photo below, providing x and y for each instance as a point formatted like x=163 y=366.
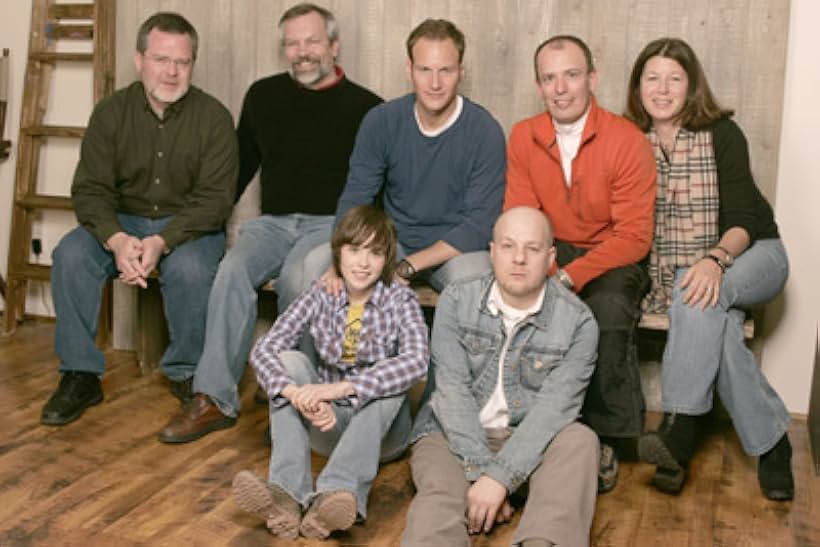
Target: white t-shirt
x=496 y=413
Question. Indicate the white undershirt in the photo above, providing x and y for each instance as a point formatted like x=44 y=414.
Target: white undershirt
x=569 y=140
x=450 y=121
x=496 y=413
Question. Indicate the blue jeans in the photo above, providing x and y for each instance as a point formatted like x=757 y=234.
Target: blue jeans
x=380 y=431
x=268 y=246
x=80 y=268
x=707 y=347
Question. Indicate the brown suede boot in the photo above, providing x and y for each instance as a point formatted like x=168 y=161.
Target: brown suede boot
x=330 y=511
x=269 y=502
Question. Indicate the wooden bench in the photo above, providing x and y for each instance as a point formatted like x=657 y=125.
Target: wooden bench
x=152 y=336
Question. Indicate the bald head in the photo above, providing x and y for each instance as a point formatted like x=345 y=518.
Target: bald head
x=521 y=253
x=524 y=217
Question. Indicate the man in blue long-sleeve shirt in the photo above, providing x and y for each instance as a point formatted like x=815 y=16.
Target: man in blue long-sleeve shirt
x=438 y=160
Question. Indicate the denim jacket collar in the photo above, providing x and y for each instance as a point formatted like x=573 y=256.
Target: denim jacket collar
x=538 y=320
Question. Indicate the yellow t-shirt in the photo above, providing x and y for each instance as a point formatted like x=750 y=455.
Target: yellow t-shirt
x=353 y=327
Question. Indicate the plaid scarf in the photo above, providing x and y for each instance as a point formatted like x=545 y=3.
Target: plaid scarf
x=686 y=211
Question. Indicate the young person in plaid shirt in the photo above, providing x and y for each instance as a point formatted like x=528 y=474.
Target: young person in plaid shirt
x=372 y=347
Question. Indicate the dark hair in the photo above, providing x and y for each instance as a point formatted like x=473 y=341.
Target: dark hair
x=167 y=21
x=701 y=108
x=331 y=27
x=357 y=227
x=436 y=29
x=557 y=42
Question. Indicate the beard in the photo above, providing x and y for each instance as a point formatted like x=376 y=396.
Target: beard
x=169 y=97
x=310 y=77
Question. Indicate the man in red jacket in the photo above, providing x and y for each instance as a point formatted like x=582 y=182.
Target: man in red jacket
x=593 y=174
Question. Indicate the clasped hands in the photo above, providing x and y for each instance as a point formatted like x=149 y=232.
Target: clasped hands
x=136 y=258
x=313 y=401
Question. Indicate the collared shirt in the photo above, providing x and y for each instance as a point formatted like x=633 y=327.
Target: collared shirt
x=183 y=165
x=495 y=412
x=393 y=350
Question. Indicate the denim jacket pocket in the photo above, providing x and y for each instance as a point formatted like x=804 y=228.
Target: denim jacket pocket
x=478 y=346
x=535 y=366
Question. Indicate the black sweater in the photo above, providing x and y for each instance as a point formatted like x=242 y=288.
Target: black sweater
x=302 y=139
x=741 y=203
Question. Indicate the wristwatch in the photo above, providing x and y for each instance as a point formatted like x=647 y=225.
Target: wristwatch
x=565 y=279
x=405 y=270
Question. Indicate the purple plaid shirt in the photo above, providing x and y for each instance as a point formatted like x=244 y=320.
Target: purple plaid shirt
x=393 y=350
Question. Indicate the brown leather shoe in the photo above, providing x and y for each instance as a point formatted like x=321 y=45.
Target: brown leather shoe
x=197 y=418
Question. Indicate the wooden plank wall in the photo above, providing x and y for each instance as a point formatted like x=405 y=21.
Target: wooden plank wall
x=742 y=44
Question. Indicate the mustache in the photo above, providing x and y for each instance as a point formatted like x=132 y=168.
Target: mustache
x=308 y=58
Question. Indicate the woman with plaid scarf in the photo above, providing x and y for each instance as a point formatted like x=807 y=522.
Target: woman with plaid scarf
x=716 y=251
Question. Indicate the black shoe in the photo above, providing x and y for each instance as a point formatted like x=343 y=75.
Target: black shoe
x=670 y=449
x=774 y=471
x=76 y=392
x=183 y=390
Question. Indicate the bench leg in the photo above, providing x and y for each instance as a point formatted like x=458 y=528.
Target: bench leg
x=152 y=337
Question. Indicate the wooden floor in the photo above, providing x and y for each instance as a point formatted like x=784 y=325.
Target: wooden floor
x=106 y=480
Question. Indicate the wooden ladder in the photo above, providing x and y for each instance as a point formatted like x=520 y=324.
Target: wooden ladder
x=50 y=22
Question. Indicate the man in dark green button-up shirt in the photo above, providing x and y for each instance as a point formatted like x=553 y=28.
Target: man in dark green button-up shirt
x=153 y=188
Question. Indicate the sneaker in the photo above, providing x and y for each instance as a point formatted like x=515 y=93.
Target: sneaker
x=76 y=392
x=607 y=469
x=329 y=512
x=774 y=471
x=669 y=449
x=280 y=512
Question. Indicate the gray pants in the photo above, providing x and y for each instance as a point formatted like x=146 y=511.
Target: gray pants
x=560 y=502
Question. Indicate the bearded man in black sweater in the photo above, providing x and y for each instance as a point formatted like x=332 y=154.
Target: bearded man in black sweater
x=299 y=127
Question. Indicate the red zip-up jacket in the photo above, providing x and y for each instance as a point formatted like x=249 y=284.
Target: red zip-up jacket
x=609 y=207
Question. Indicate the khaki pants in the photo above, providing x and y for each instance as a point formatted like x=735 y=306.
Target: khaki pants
x=559 y=507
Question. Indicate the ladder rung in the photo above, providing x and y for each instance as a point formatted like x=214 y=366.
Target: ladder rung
x=32 y=271
x=51 y=56
x=42 y=201
x=69 y=32
x=71 y=11
x=53 y=131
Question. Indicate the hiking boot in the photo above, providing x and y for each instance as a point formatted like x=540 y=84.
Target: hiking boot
x=280 y=512
x=774 y=471
x=330 y=511
x=670 y=449
x=607 y=469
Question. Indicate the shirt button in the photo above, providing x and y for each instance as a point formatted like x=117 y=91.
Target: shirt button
x=159 y=154
x=517 y=404
x=156 y=180
x=156 y=208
